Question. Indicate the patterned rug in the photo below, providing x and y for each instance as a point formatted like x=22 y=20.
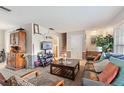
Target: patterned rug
x=45 y=77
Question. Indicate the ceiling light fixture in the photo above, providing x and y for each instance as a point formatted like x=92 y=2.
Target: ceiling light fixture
x=47 y=35
x=5 y=9
x=51 y=29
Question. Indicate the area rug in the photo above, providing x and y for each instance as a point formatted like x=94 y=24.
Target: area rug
x=46 y=78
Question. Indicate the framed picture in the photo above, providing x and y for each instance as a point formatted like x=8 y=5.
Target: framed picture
x=36 y=28
x=93 y=39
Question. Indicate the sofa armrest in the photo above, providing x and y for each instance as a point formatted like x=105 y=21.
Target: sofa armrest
x=88 y=82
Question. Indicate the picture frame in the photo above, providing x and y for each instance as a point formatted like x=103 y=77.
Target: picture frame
x=36 y=28
x=93 y=39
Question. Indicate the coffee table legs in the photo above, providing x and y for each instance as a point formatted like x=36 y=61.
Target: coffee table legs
x=60 y=69
x=78 y=66
x=73 y=71
x=51 y=69
x=73 y=74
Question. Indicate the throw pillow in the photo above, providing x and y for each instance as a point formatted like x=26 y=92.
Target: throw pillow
x=109 y=73
x=101 y=65
x=102 y=57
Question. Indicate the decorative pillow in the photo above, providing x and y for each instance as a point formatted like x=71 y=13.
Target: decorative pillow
x=102 y=57
x=109 y=73
x=117 y=61
x=101 y=65
x=107 y=55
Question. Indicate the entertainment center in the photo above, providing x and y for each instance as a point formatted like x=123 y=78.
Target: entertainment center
x=46 y=56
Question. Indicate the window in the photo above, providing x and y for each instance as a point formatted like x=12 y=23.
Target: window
x=119 y=40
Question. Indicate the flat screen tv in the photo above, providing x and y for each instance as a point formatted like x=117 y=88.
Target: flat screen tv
x=45 y=45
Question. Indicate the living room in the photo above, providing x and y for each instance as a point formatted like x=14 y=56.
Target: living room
x=33 y=43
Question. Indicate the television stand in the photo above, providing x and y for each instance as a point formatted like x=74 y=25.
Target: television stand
x=45 y=59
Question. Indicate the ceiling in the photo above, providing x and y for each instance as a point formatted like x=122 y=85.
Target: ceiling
x=61 y=18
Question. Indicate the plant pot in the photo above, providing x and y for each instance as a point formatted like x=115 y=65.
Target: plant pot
x=99 y=49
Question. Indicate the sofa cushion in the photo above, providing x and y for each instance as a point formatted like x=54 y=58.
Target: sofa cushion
x=89 y=82
x=90 y=75
x=116 y=55
x=122 y=57
x=109 y=73
x=117 y=61
x=119 y=81
x=101 y=65
x=89 y=67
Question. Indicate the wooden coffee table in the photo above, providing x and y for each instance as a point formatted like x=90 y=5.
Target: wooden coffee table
x=68 y=69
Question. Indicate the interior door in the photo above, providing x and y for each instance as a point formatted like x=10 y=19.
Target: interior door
x=76 y=41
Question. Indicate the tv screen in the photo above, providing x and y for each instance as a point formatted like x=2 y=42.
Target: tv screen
x=46 y=45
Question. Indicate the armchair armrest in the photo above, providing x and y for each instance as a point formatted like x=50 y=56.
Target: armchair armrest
x=29 y=74
x=57 y=83
x=88 y=82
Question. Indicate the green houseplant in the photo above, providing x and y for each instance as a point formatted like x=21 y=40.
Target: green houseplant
x=106 y=42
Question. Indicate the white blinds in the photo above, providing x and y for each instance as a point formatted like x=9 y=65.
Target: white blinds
x=119 y=39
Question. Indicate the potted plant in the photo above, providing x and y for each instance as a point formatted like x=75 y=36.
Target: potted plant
x=104 y=42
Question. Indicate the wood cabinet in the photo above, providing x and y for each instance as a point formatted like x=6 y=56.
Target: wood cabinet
x=18 y=39
x=15 y=58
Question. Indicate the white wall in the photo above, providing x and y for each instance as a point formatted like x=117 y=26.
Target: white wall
x=7 y=38
x=2 y=40
x=32 y=40
x=60 y=43
x=90 y=33
x=37 y=39
x=28 y=30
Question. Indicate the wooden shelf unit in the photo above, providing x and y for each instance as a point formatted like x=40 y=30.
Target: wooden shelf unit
x=15 y=58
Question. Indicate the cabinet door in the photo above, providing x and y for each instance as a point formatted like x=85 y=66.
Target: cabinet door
x=22 y=37
x=20 y=62
x=12 y=39
x=16 y=38
x=11 y=60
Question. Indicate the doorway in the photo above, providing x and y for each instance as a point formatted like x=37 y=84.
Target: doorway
x=76 y=42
